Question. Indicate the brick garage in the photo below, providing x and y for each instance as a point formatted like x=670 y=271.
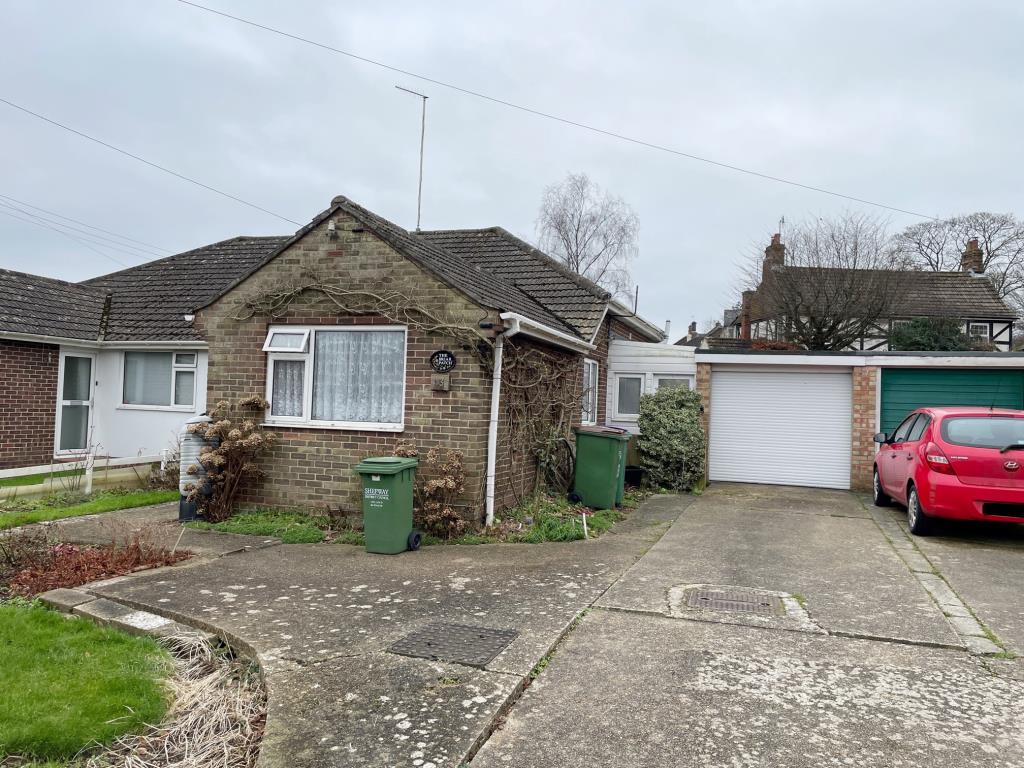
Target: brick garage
x=863 y=411
x=28 y=391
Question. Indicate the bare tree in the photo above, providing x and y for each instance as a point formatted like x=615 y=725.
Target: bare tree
x=591 y=231
x=832 y=285
x=937 y=245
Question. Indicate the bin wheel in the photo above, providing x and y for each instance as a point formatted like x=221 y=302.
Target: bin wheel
x=415 y=540
x=575 y=498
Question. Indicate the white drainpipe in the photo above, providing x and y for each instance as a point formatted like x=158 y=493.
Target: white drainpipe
x=492 y=426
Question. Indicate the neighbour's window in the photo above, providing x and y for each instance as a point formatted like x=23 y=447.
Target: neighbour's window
x=900 y=435
x=899 y=323
x=159 y=379
x=590 y=389
x=628 y=389
x=672 y=382
x=983 y=431
x=350 y=378
x=978 y=331
x=918 y=429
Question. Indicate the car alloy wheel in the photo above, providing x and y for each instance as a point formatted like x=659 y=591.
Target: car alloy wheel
x=917 y=520
x=879 y=497
x=913 y=509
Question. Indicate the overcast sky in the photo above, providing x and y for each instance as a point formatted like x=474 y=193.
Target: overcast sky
x=911 y=104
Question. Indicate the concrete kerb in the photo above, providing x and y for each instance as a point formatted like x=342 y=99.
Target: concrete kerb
x=975 y=636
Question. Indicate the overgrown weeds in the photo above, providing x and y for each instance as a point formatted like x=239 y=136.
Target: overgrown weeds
x=20 y=511
x=216 y=718
x=289 y=526
x=35 y=561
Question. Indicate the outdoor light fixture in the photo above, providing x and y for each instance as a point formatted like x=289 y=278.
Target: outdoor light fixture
x=189 y=317
x=332 y=230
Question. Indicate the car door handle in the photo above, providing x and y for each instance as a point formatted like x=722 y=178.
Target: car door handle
x=910 y=457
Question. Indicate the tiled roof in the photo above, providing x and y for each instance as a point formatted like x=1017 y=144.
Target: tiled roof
x=922 y=293
x=573 y=298
x=150 y=301
x=40 y=306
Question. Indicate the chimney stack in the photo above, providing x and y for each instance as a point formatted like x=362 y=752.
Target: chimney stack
x=774 y=256
x=691 y=331
x=668 y=331
x=745 y=312
x=972 y=259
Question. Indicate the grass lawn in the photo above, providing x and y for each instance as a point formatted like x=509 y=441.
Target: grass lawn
x=19 y=512
x=289 y=527
x=68 y=683
x=42 y=477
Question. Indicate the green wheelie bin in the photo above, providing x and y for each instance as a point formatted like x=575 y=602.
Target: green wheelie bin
x=600 y=466
x=387 y=504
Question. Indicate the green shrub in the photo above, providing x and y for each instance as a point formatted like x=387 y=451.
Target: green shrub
x=931 y=334
x=671 y=440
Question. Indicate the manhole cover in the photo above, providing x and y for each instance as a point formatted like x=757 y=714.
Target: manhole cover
x=473 y=646
x=733 y=600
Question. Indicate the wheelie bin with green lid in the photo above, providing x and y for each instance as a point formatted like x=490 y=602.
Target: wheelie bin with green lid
x=600 y=466
x=387 y=504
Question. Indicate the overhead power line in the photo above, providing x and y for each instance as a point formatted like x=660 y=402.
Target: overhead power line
x=101 y=240
x=84 y=223
x=68 y=235
x=549 y=116
x=143 y=160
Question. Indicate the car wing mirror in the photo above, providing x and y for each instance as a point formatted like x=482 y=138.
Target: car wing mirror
x=880 y=438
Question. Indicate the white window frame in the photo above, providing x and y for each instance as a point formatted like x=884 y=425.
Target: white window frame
x=303 y=348
x=615 y=395
x=986 y=333
x=591 y=396
x=659 y=377
x=307 y=382
x=57 y=452
x=175 y=367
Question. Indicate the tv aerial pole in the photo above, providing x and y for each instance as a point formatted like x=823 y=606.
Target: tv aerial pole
x=423 y=133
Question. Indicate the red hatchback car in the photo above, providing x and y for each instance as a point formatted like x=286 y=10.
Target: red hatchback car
x=959 y=463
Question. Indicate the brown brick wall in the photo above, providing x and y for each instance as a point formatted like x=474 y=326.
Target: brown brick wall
x=28 y=402
x=314 y=467
x=862 y=452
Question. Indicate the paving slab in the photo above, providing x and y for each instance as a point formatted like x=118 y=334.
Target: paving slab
x=65 y=600
x=821 y=546
x=378 y=710
x=987 y=573
x=645 y=691
x=319 y=619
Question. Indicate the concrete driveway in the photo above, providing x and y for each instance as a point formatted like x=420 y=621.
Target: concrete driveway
x=865 y=662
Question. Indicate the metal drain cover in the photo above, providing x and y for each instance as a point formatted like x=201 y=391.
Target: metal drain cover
x=460 y=643
x=734 y=600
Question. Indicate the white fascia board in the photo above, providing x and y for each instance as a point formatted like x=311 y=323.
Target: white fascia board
x=627 y=316
x=536 y=330
x=85 y=344
x=951 y=361
x=837 y=361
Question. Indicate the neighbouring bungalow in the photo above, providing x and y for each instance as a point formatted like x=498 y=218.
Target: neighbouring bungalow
x=360 y=334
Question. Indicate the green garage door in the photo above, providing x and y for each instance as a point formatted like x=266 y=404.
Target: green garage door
x=904 y=389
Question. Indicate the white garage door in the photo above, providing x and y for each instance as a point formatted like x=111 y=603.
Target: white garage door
x=784 y=428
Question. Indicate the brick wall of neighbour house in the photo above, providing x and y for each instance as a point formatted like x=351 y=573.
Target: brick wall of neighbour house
x=516 y=469
x=611 y=327
x=703 y=387
x=310 y=467
x=28 y=392
x=865 y=420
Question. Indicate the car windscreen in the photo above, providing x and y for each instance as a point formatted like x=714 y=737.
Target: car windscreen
x=983 y=431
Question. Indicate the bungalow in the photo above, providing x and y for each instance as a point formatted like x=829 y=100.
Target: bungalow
x=360 y=334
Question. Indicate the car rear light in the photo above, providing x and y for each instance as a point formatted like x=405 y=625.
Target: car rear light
x=937 y=460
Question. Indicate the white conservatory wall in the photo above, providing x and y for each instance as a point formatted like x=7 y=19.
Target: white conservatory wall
x=651 y=361
x=138 y=430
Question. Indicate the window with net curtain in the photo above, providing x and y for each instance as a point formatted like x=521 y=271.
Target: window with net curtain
x=357 y=377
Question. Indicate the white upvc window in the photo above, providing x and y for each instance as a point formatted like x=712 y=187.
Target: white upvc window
x=626 y=399
x=590 y=390
x=672 y=382
x=155 y=380
x=338 y=377
x=978 y=331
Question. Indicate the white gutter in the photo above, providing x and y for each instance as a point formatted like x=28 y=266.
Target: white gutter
x=532 y=328
x=85 y=344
